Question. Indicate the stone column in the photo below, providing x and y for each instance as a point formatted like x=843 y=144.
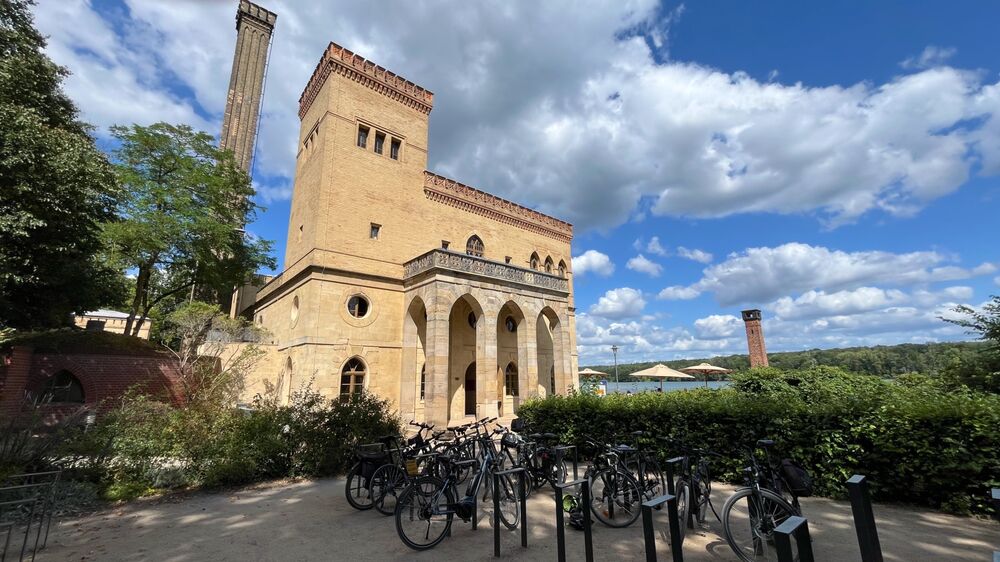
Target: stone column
x=436 y=401
x=408 y=369
x=527 y=352
x=487 y=393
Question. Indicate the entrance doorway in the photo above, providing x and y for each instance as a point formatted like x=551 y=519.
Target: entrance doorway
x=470 y=390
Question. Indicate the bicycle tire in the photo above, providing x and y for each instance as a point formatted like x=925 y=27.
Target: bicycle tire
x=682 y=491
x=653 y=483
x=704 y=497
x=616 y=499
x=386 y=485
x=418 y=496
x=357 y=489
x=761 y=531
x=510 y=506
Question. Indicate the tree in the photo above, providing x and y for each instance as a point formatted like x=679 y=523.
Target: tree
x=181 y=219
x=983 y=370
x=56 y=188
x=214 y=353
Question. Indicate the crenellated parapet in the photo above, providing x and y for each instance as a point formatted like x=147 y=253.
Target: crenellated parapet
x=337 y=59
x=456 y=194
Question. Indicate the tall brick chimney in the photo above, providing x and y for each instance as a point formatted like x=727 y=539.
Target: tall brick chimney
x=254 y=26
x=755 y=338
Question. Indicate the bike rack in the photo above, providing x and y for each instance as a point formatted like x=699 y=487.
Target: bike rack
x=670 y=474
x=522 y=488
x=576 y=458
x=864 y=518
x=649 y=537
x=588 y=538
x=798 y=528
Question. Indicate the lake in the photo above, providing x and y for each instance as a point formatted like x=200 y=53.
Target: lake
x=668 y=386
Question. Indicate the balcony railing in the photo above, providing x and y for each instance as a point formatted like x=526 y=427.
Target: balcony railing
x=463 y=263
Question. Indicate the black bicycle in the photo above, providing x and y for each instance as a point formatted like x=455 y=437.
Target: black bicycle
x=369 y=458
x=693 y=488
x=755 y=510
x=407 y=462
x=425 y=509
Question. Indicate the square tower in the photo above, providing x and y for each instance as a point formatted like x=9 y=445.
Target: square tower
x=755 y=338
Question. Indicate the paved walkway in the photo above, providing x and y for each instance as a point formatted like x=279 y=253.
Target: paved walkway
x=311 y=520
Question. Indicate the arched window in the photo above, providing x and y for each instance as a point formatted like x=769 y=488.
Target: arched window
x=534 y=260
x=352 y=377
x=562 y=268
x=510 y=379
x=423 y=382
x=63 y=387
x=548 y=264
x=474 y=247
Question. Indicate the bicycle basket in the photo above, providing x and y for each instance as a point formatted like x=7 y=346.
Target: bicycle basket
x=797 y=479
x=411 y=467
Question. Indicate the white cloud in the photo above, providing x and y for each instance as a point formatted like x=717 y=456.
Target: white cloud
x=699 y=256
x=996 y=280
x=616 y=304
x=717 y=326
x=593 y=261
x=593 y=110
x=813 y=304
x=643 y=340
x=271 y=193
x=678 y=293
x=655 y=248
x=642 y=264
x=765 y=274
x=929 y=57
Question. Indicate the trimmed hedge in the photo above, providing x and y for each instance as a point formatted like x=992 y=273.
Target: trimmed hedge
x=917 y=441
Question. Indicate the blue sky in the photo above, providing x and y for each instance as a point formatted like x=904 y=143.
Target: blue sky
x=834 y=164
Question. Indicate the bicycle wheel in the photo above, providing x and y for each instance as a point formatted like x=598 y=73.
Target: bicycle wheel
x=682 y=491
x=749 y=520
x=555 y=472
x=652 y=481
x=510 y=506
x=615 y=497
x=422 y=514
x=357 y=490
x=703 y=496
x=387 y=482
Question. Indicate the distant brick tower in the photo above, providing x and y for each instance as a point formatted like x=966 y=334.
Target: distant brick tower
x=755 y=338
x=254 y=26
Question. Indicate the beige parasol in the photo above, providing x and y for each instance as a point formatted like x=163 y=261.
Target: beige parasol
x=706 y=369
x=590 y=372
x=661 y=371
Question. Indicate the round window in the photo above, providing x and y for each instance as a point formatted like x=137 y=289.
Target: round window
x=511 y=324
x=472 y=320
x=295 y=309
x=357 y=306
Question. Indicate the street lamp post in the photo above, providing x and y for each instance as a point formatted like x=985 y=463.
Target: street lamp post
x=614 y=349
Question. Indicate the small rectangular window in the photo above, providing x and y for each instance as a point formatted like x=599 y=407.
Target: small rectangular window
x=379 y=142
x=394 y=149
x=376 y=228
x=362 y=136
x=445 y=244
x=506 y=259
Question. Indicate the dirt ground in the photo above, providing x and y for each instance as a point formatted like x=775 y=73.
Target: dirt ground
x=311 y=520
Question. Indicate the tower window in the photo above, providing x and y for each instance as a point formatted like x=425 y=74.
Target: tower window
x=548 y=265
x=362 y=136
x=394 y=149
x=562 y=268
x=534 y=261
x=474 y=247
x=357 y=306
x=445 y=244
x=379 y=142
x=352 y=378
x=510 y=380
x=507 y=259
x=376 y=229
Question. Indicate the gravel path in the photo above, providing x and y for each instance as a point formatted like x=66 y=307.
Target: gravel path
x=310 y=520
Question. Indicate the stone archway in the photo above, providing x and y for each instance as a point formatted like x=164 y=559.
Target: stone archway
x=551 y=353
x=511 y=344
x=470 y=389
x=464 y=324
x=412 y=388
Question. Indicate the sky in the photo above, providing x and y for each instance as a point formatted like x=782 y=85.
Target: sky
x=836 y=165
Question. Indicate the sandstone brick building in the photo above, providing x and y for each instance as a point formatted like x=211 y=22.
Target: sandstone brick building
x=445 y=299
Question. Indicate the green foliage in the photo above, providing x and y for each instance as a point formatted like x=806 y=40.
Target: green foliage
x=56 y=188
x=981 y=371
x=145 y=446
x=916 y=439
x=880 y=361
x=180 y=225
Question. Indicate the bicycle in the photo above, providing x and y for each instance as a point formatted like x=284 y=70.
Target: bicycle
x=642 y=463
x=425 y=509
x=615 y=495
x=693 y=489
x=357 y=489
x=749 y=525
x=388 y=480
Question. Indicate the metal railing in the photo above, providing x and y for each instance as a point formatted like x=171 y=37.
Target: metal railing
x=522 y=489
x=648 y=534
x=584 y=505
x=26 y=506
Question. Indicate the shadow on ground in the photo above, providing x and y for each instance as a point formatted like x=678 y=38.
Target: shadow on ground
x=311 y=520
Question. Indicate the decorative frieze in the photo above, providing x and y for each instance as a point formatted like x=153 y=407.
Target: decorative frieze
x=365 y=72
x=451 y=261
x=456 y=194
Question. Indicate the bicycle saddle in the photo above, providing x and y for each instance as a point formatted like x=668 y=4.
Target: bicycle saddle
x=639 y=433
x=624 y=449
x=765 y=442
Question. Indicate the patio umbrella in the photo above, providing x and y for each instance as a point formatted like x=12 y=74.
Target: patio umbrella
x=706 y=369
x=661 y=371
x=590 y=372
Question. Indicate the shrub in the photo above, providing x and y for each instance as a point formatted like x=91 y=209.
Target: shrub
x=917 y=441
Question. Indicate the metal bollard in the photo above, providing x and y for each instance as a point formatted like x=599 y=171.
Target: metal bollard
x=649 y=537
x=588 y=539
x=864 y=519
x=522 y=500
x=796 y=527
x=669 y=469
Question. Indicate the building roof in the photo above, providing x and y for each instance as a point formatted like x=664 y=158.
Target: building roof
x=106 y=313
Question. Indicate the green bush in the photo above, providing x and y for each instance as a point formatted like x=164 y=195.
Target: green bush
x=916 y=440
x=143 y=445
